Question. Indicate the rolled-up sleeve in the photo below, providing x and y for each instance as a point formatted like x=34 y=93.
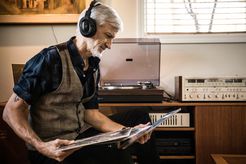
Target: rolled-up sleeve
x=92 y=103
x=35 y=79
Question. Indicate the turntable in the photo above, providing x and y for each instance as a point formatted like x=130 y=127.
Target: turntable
x=130 y=95
x=130 y=71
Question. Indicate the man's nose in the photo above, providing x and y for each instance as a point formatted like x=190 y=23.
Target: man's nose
x=109 y=43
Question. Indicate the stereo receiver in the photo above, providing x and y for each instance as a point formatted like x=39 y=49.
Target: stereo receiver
x=177 y=120
x=210 y=89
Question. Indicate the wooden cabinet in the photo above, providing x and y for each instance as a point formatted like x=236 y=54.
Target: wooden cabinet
x=220 y=129
x=217 y=128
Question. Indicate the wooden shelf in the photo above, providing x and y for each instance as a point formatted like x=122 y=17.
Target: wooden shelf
x=167 y=104
x=177 y=157
x=172 y=157
x=225 y=158
x=174 y=129
x=174 y=103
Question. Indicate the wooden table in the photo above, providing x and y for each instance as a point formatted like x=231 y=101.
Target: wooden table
x=229 y=158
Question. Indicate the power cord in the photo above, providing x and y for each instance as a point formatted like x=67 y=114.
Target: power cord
x=169 y=97
x=54 y=34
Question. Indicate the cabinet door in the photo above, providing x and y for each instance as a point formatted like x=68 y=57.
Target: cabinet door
x=219 y=130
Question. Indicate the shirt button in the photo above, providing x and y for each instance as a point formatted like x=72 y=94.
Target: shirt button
x=83 y=75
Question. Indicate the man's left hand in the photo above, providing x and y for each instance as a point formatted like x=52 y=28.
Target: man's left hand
x=146 y=137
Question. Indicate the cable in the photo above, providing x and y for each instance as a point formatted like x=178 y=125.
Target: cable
x=169 y=98
x=54 y=34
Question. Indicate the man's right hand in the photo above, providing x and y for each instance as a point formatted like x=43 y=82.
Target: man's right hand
x=16 y=113
x=50 y=149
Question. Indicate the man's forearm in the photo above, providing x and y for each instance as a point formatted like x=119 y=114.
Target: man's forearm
x=100 y=121
x=16 y=116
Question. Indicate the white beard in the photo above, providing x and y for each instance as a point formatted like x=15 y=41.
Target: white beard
x=97 y=53
x=95 y=50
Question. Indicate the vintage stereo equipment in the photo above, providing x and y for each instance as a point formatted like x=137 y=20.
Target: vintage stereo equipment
x=174 y=146
x=130 y=71
x=210 y=89
x=178 y=120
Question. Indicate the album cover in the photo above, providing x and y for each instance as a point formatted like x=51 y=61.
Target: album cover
x=102 y=138
x=123 y=138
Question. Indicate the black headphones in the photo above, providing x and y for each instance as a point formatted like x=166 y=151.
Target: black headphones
x=87 y=25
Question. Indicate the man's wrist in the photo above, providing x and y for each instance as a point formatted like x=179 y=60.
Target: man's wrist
x=38 y=144
x=123 y=128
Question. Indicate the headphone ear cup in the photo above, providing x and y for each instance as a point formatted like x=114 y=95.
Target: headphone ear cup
x=87 y=27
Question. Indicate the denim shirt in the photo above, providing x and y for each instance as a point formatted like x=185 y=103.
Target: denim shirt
x=42 y=74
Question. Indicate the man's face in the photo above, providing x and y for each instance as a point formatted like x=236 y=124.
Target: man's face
x=102 y=39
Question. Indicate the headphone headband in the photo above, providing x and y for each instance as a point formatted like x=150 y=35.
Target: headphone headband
x=88 y=12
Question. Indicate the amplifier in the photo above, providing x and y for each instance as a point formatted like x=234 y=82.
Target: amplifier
x=177 y=120
x=174 y=146
x=210 y=89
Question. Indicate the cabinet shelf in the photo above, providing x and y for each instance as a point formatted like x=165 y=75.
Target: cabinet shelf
x=174 y=129
x=177 y=157
x=174 y=103
x=172 y=157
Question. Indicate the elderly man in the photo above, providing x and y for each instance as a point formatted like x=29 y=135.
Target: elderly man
x=58 y=91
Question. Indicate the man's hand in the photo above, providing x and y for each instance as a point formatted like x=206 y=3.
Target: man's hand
x=50 y=149
x=16 y=116
x=145 y=137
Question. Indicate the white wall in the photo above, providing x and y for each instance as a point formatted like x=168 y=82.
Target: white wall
x=201 y=60
x=18 y=43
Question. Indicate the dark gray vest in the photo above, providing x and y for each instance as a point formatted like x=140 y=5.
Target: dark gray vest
x=60 y=114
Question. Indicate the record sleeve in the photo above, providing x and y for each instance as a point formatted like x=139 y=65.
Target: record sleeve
x=102 y=138
x=139 y=132
x=123 y=138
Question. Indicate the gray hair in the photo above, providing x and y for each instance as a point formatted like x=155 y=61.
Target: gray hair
x=102 y=14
